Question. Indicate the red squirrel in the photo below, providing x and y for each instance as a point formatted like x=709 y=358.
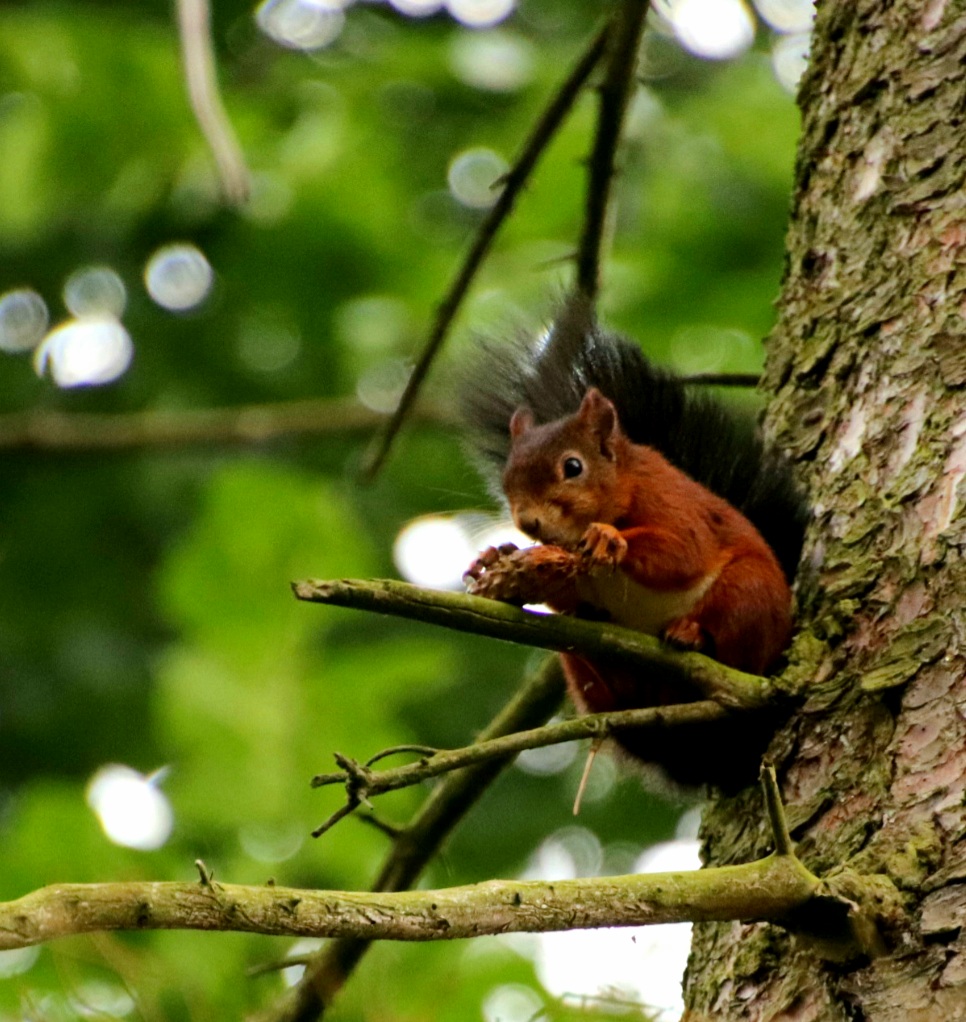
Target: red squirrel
x=626 y=535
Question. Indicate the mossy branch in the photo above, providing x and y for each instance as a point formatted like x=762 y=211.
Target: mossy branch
x=768 y=889
x=363 y=783
x=727 y=686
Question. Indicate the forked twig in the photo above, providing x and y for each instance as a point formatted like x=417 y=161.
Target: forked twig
x=362 y=784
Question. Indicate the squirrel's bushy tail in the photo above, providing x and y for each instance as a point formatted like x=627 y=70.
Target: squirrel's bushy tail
x=713 y=444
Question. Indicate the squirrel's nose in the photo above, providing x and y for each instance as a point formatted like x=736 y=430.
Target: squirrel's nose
x=529 y=524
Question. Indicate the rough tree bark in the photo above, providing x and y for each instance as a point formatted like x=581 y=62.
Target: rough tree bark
x=868 y=365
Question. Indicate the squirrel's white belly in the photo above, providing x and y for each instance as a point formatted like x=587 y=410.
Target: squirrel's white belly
x=633 y=605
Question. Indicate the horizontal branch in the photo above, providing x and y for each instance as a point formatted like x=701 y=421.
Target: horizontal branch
x=45 y=430
x=247 y=424
x=768 y=889
x=481 y=616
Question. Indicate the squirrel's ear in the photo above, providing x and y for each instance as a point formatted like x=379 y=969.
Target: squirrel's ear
x=520 y=422
x=600 y=416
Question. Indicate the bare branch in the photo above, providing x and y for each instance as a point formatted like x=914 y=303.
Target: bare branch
x=244 y=424
x=623 y=43
x=198 y=59
x=362 y=783
x=768 y=889
x=482 y=616
x=534 y=147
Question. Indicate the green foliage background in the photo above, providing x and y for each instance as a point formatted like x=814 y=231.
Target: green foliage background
x=145 y=615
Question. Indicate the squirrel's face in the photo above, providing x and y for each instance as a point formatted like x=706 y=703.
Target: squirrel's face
x=563 y=476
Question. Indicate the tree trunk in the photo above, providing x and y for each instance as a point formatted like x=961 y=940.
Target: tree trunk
x=868 y=366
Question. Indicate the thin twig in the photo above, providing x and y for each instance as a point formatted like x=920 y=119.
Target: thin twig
x=623 y=43
x=775 y=811
x=241 y=424
x=597 y=726
x=558 y=632
x=283 y=963
x=534 y=147
x=391 y=830
x=352 y=803
x=198 y=59
x=423 y=750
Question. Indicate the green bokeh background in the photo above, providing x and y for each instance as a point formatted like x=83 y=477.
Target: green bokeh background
x=145 y=613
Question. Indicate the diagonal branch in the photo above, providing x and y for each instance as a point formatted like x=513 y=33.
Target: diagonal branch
x=417 y=843
x=623 y=43
x=534 y=147
x=725 y=685
x=768 y=889
x=198 y=60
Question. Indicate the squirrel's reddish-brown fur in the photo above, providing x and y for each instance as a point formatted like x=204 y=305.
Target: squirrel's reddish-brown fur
x=627 y=536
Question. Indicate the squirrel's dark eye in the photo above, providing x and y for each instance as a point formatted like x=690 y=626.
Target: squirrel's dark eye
x=572 y=467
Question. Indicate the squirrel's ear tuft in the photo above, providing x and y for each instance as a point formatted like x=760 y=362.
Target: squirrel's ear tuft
x=600 y=416
x=521 y=421
x=598 y=412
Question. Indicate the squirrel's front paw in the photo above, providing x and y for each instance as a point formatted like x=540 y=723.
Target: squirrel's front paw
x=493 y=574
x=602 y=546
x=486 y=560
x=684 y=634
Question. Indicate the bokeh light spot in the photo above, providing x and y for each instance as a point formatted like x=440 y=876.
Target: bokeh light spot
x=17 y=961
x=381 y=386
x=301 y=24
x=642 y=964
x=178 y=277
x=787 y=15
x=713 y=29
x=97 y=999
x=270 y=844
x=23 y=320
x=549 y=760
x=417 y=8
x=373 y=323
x=789 y=59
x=495 y=61
x=132 y=810
x=268 y=341
x=512 y=1002
x=473 y=175
x=95 y=291
x=480 y=13
x=85 y=352
x=433 y=551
